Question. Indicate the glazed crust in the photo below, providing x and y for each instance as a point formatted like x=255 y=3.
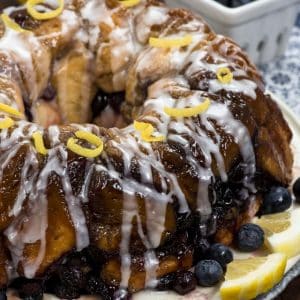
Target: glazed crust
x=142 y=72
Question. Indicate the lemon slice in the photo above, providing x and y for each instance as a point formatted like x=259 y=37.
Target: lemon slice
x=282 y=232
x=247 y=278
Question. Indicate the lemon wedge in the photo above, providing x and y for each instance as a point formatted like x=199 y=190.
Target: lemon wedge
x=247 y=278
x=282 y=232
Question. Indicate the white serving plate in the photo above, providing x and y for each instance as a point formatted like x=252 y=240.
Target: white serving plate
x=262 y=28
x=213 y=293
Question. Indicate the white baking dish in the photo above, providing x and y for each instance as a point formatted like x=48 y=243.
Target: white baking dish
x=262 y=27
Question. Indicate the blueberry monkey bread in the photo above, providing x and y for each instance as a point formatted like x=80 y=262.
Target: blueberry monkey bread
x=129 y=132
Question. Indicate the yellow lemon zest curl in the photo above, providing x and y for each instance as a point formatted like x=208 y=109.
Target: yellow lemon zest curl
x=6 y=123
x=39 y=143
x=30 y=5
x=147 y=131
x=10 y=23
x=130 y=3
x=10 y=110
x=171 y=42
x=224 y=75
x=189 y=111
x=82 y=151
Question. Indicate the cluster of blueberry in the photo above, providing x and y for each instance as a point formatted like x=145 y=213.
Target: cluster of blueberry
x=78 y=273
x=250 y=237
x=208 y=271
x=234 y=3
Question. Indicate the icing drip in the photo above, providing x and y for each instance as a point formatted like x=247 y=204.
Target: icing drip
x=27 y=181
x=19 y=47
x=151 y=16
x=74 y=205
x=156 y=203
x=33 y=229
x=7 y=157
x=94 y=12
x=222 y=114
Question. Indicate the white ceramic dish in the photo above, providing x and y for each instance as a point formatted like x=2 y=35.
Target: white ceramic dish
x=262 y=28
x=213 y=293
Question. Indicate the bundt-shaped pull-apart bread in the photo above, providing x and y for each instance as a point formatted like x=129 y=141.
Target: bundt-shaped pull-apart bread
x=201 y=145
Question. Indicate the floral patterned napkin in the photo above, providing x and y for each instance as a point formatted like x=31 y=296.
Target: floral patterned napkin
x=282 y=76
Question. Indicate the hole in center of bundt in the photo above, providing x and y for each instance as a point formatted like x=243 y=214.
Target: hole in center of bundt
x=106 y=109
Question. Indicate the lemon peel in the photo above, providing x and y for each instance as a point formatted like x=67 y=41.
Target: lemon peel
x=39 y=143
x=82 y=151
x=147 y=130
x=30 y=5
x=189 y=111
x=170 y=42
x=10 y=110
x=10 y=23
x=6 y=123
x=129 y=3
x=224 y=75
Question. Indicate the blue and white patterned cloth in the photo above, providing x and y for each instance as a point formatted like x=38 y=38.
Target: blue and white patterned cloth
x=282 y=76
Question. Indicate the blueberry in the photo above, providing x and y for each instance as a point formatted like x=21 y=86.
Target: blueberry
x=3 y=294
x=221 y=253
x=208 y=272
x=64 y=292
x=184 y=283
x=250 y=237
x=95 y=286
x=166 y=282
x=296 y=189
x=31 y=289
x=278 y=199
x=49 y=93
x=72 y=276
